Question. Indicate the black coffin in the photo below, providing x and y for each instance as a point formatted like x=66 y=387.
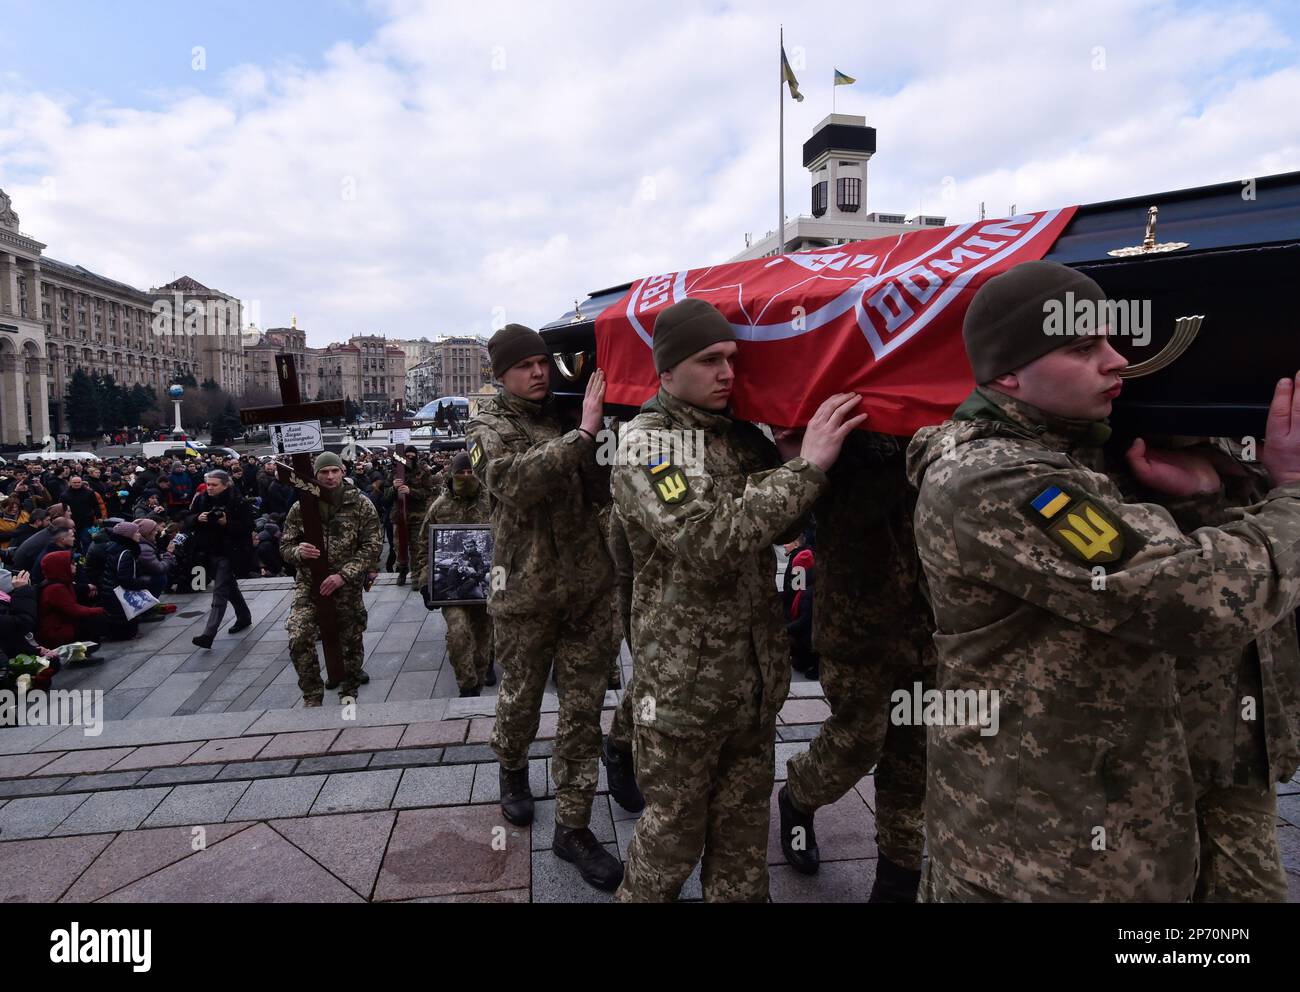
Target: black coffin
x=1239 y=273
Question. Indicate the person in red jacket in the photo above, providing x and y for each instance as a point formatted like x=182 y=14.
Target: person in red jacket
x=62 y=619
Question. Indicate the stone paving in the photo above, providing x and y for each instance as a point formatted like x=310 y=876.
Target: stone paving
x=208 y=783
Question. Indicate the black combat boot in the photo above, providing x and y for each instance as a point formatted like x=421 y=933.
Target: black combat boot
x=516 y=796
x=470 y=692
x=798 y=839
x=894 y=883
x=240 y=624
x=615 y=681
x=622 y=777
x=491 y=677
x=203 y=640
x=401 y=575
x=578 y=846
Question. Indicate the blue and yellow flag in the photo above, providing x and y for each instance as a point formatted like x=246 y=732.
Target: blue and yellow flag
x=787 y=74
x=843 y=79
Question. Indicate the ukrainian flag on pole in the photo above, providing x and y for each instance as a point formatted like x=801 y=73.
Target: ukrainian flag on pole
x=787 y=74
x=843 y=79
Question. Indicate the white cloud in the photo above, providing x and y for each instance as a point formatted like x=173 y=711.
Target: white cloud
x=517 y=155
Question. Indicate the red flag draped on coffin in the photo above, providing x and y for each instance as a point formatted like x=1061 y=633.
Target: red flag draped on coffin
x=881 y=318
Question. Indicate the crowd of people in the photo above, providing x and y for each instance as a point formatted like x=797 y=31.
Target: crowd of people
x=73 y=533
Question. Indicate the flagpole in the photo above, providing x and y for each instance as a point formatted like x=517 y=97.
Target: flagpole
x=780 y=100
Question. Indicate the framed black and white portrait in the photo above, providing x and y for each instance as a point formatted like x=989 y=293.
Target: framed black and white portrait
x=460 y=558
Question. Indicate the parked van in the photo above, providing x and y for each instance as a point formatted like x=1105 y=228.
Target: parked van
x=57 y=456
x=174 y=449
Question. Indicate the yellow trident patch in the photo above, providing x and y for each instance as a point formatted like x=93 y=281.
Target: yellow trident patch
x=475 y=453
x=1084 y=529
x=669 y=482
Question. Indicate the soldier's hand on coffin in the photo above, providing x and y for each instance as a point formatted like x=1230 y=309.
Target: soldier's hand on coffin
x=829 y=426
x=331 y=584
x=306 y=550
x=1173 y=473
x=403 y=489
x=593 y=403
x=1281 y=455
x=788 y=441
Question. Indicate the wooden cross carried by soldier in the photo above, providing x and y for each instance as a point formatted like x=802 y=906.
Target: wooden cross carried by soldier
x=310 y=496
x=399 y=474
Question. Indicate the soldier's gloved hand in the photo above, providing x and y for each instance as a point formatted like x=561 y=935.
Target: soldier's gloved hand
x=331 y=584
x=829 y=426
x=1281 y=455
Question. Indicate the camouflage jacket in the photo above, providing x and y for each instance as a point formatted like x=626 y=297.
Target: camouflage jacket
x=544 y=527
x=423 y=485
x=620 y=553
x=707 y=630
x=1241 y=712
x=447 y=509
x=1075 y=606
x=868 y=574
x=353 y=540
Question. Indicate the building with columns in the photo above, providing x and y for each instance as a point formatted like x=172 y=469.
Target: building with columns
x=24 y=373
x=56 y=317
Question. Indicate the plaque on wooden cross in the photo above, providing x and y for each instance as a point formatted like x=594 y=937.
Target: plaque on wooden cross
x=403 y=524
x=311 y=495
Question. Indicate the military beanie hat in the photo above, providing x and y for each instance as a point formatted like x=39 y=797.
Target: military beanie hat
x=326 y=459
x=512 y=344
x=461 y=462
x=688 y=326
x=1006 y=325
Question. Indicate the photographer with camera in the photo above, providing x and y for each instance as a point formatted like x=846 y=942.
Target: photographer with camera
x=220 y=529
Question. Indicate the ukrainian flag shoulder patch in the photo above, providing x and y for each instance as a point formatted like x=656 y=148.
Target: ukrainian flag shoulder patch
x=668 y=481
x=1081 y=526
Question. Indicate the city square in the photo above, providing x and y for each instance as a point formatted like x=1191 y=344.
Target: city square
x=427 y=476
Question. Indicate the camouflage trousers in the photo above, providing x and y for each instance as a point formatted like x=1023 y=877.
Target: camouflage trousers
x=616 y=642
x=620 y=731
x=526 y=647
x=469 y=643
x=938 y=884
x=304 y=633
x=857 y=735
x=1240 y=857
x=709 y=794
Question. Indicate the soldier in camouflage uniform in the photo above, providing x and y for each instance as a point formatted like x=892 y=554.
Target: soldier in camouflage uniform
x=551 y=603
x=872 y=628
x=1075 y=605
x=616 y=753
x=353 y=541
x=1241 y=712
x=711 y=662
x=419 y=487
x=469 y=629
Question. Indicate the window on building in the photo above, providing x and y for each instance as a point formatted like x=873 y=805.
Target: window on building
x=848 y=194
x=819 y=198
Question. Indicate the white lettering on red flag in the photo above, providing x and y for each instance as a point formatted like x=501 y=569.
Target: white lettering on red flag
x=881 y=317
